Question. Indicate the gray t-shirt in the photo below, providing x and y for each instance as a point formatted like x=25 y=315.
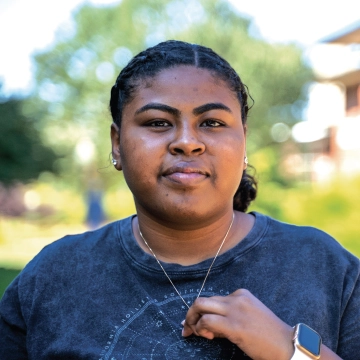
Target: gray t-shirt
x=99 y=296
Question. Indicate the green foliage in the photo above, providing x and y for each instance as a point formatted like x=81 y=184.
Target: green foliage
x=6 y=276
x=23 y=155
x=332 y=207
x=74 y=78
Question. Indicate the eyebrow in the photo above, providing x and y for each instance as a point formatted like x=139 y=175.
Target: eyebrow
x=158 y=106
x=210 y=106
x=173 y=111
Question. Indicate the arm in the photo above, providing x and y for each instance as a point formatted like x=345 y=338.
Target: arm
x=246 y=322
x=12 y=326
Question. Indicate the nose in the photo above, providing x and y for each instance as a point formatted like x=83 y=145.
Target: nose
x=186 y=142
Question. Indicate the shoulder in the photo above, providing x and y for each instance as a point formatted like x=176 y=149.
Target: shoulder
x=306 y=242
x=71 y=258
x=84 y=242
x=74 y=251
x=312 y=260
x=297 y=234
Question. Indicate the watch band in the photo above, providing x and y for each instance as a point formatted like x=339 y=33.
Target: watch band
x=299 y=355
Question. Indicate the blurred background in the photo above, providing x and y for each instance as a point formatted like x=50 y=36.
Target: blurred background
x=58 y=61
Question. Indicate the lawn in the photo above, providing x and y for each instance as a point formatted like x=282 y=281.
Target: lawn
x=6 y=276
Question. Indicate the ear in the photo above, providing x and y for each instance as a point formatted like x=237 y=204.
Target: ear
x=245 y=161
x=245 y=130
x=115 y=145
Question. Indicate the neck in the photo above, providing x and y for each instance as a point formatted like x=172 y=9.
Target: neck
x=187 y=246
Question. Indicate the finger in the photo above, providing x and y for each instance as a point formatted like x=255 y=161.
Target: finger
x=203 y=306
x=210 y=326
x=214 y=305
x=187 y=331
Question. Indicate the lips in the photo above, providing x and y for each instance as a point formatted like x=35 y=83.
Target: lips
x=186 y=174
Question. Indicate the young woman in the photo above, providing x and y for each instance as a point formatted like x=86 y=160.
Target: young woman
x=191 y=275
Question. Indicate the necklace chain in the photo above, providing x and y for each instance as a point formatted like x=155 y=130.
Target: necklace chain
x=208 y=272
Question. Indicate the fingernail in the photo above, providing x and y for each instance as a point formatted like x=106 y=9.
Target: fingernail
x=182 y=332
x=183 y=323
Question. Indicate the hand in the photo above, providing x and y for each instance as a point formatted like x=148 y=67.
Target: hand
x=245 y=321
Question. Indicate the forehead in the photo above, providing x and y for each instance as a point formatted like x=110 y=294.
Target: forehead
x=184 y=85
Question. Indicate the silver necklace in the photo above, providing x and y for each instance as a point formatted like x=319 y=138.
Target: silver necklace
x=208 y=272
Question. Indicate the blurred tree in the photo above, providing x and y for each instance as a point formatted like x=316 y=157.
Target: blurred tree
x=23 y=156
x=75 y=76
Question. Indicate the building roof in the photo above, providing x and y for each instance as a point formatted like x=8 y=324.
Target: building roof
x=348 y=79
x=347 y=35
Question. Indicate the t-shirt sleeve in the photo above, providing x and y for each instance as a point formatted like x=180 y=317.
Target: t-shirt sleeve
x=12 y=325
x=349 y=339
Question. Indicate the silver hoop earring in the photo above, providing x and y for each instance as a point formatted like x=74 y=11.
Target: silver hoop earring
x=246 y=160
x=114 y=162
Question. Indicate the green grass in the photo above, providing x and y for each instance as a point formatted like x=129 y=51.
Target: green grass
x=6 y=276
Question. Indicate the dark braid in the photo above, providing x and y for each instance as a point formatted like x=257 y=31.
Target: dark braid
x=173 y=53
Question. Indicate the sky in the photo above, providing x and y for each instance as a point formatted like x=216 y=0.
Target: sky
x=28 y=26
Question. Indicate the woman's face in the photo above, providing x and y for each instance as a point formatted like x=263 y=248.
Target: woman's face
x=181 y=145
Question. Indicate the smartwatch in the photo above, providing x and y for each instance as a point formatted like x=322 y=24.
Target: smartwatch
x=307 y=343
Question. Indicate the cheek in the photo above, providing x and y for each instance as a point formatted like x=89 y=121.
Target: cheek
x=231 y=161
x=230 y=149
x=139 y=163
x=132 y=149
x=129 y=160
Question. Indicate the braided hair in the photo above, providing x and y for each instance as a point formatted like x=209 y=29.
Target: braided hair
x=151 y=61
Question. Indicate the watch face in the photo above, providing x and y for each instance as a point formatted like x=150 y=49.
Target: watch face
x=309 y=339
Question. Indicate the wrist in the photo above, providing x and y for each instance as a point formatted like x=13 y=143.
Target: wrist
x=307 y=343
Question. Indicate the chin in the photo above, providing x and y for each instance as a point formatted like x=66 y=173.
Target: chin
x=188 y=215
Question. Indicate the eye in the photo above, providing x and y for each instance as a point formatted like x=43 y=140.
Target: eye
x=158 y=123
x=212 y=123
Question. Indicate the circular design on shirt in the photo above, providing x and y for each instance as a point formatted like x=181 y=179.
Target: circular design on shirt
x=193 y=349
x=154 y=333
